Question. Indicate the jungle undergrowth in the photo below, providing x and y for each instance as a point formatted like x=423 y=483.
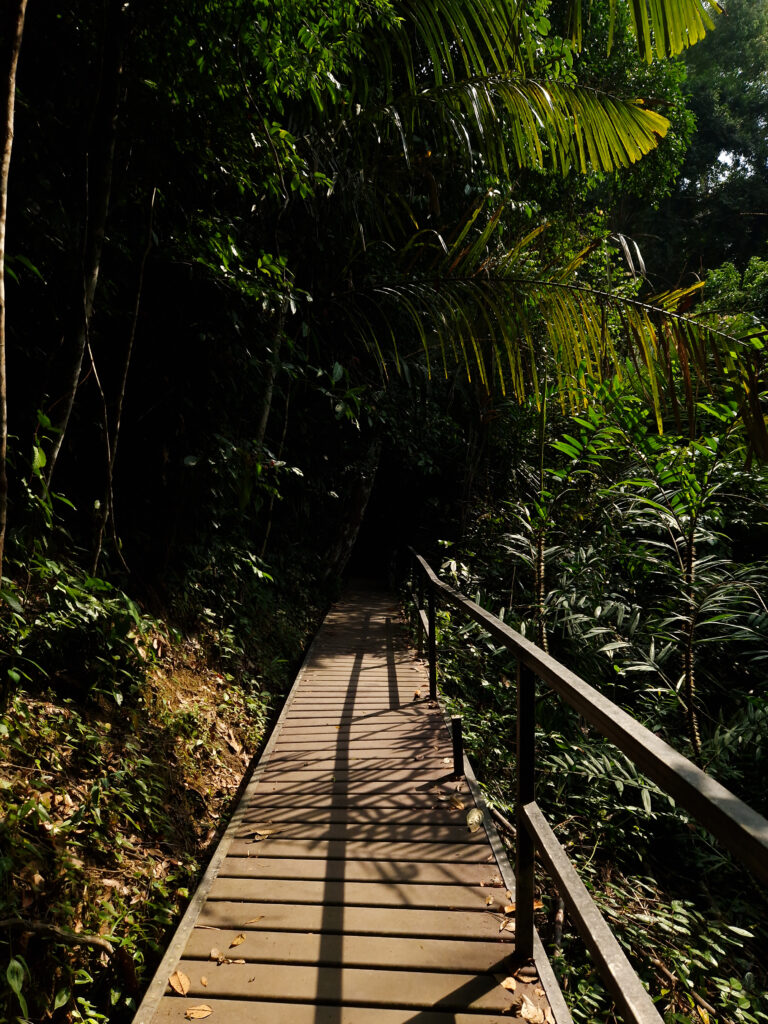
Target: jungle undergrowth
x=692 y=922
x=123 y=742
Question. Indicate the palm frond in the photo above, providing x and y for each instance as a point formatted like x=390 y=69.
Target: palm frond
x=480 y=308
x=663 y=28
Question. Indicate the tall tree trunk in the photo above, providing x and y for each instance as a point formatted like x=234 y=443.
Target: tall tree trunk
x=13 y=29
x=99 y=164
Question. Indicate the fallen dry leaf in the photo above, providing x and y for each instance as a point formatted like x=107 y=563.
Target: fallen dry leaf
x=204 y=982
x=539 y=991
x=179 y=982
x=531 y=1012
x=233 y=743
x=254 y=920
x=237 y=940
x=488 y=901
x=456 y=802
x=215 y=954
x=474 y=819
x=508 y=983
x=510 y=907
x=417 y=693
x=198 y=1012
x=549 y=1017
x=507 y=926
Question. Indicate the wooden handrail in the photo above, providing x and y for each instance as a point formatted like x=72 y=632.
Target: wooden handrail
x=736 y=825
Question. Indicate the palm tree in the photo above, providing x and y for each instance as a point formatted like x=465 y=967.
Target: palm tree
x=474 y=90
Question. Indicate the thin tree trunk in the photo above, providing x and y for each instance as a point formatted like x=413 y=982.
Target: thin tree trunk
x=357 y=504
x=279 y=455
x=272 y=368
x=100 y=161
x=15 y=21
x=108 y=510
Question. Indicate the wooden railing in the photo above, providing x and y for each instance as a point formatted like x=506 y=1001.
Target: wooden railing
x=736 y=825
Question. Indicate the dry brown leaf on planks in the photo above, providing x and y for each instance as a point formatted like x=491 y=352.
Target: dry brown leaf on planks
x=179 y=982
x=456 y=802
x=531 y=1012
x=510 y=907
x=238 y=939
x=255 y=920
x=489 y=901
x=221 y=958
x=198 y=1012
x=261 y=834
x=204 y=981
x=508 y=983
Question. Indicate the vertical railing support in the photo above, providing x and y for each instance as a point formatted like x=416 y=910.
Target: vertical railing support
x=458 y=746
x=419 y=608
x=432 y=645
x=526 y=793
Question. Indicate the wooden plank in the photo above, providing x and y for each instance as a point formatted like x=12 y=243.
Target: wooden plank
x=408 y=921
x=440 y=814
x=474 y=874
x=417 y=801
x=397 y=745
x=394 y=832
x=171 y=1011
x=359 y=788
x=419 y=761
x=331 y=892
x=340 y=773
x=333 y=731
x=357 y=850
x=442 y=955
x=380 y=988
x=432 y=765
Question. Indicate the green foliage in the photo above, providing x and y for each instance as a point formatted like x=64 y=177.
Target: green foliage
x=655 y=570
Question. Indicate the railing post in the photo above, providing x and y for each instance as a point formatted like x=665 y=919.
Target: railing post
x=457 y=739
x=432 y=645
x=419 y=608
x=526 y=793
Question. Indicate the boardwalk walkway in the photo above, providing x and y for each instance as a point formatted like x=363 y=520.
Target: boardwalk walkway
x=348 y=888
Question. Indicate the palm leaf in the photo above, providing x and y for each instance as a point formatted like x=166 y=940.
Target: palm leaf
x=479 y=308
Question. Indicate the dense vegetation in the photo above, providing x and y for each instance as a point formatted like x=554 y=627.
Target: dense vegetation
x=287 y=285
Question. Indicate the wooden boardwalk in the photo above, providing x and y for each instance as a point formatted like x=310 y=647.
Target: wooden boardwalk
x=348 y=888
